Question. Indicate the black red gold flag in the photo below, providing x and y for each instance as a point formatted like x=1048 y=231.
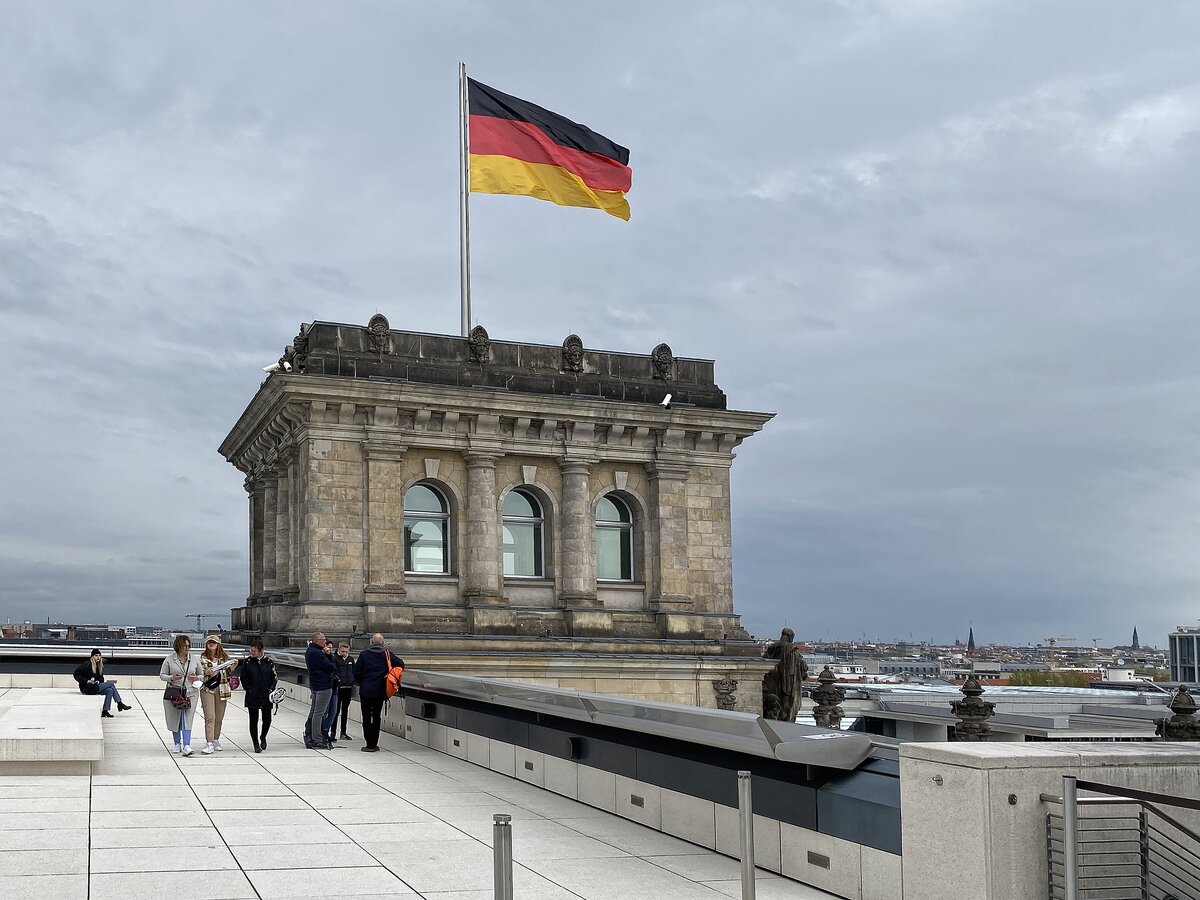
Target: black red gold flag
x=517 y=147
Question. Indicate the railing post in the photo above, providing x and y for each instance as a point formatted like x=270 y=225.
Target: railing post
x=502 y=856
x=746 y=829
x=1144 y=842
x=1070 y=838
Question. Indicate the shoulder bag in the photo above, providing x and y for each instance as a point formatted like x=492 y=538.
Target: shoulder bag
x=176 y=695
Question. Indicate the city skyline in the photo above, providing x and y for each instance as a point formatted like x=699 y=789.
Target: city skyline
x=951 y=246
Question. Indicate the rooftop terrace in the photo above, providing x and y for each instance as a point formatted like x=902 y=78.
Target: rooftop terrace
x=290 y=823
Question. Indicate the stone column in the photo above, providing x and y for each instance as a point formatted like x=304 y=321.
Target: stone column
x=285 y=572
x=269 y=547
x=256 y=489
x=385 y=606
x=585 y=616
x=669 y=600
x=487 y=608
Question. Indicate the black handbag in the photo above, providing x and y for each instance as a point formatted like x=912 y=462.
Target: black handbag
x=178 y=696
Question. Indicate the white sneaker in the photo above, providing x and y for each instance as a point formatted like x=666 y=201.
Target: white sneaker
x=177 y=748
x=186 y=751
x=217 y=745
x=208 y=748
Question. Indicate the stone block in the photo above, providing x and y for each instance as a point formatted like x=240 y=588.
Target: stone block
x=561 y=776
x=529 y=766
x=503 y=758
x=767 y=837
x=828 y=863
x=690 y=818
x=479 y=750
x=597 y=788
x=416 y=730
x=456 y=743
x=881 y=874
x=639 y=801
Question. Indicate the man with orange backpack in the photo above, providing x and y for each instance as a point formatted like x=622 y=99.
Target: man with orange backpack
x=376 y=676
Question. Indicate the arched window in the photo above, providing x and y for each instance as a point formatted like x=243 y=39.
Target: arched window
x=426 y=531
x=522 y=535
x=614 y=540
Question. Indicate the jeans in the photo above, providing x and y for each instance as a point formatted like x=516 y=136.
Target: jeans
x=110 y=692
x=344 y=696
x=372 y=716
x=330 y=715
x=255 y=735
x=316 y=712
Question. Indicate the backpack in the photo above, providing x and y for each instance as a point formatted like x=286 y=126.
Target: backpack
x=391 y=679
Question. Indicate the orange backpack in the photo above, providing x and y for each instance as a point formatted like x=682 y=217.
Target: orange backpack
x=391 y=680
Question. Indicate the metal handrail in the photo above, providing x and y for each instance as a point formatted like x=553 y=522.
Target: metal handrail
x=1164 y=861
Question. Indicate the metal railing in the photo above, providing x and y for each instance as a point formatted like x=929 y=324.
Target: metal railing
x=1121 y=846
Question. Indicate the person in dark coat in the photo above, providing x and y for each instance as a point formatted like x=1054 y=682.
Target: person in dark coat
x=345 y=673
x=369 y=671
x=320 y=684
x=258 y=680
x=90 y=677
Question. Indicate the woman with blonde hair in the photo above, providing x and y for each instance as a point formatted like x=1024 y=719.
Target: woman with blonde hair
x=215 y=692
x=181 y=676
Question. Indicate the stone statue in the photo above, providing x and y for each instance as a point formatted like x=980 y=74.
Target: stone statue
x=663 y=362
x=782 y=685
x=726 y=690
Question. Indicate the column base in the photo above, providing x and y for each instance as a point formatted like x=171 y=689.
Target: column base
x=679 y=625
x=490 y=619
x=594 y=622
x=386 y=613
x=578 y=601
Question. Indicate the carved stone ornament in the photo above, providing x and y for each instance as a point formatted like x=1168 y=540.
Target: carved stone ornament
x=972 y=713
x=572 y=354
x=726 y=690
x=1183 y=725
x=663 y=361
x=479 y=345
x=827 y=698
x=379 y=333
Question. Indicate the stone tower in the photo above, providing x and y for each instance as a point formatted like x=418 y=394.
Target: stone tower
x=428 y=484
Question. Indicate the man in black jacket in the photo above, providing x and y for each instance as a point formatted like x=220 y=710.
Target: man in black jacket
x=258 y=680
x=345 y=673
x=320 y=683
x=369 y=671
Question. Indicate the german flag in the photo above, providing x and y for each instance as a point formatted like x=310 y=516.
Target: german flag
x=520 y=148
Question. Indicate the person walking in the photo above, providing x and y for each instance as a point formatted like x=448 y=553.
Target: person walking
x=258 y=680
x=90 y=676
x=215 y=698
x=180 y=671
x=370 y=669
x=345 y=692
x=320 y=684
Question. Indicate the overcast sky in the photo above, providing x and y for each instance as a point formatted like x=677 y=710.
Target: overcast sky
x=952 y=244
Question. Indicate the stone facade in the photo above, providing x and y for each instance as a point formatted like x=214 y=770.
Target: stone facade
x=330 y=447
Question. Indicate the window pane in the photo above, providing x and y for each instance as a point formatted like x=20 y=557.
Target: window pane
x=425 y=545
x=522 y=549
x=422 y=498
x=611 y=510
x=520 y=505
x=614 y=554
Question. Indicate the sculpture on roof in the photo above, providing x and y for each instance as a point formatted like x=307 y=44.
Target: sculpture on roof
x=479 y=344
x=572 y=353
x=781 y=689
x=663 y=361
x=379 y=333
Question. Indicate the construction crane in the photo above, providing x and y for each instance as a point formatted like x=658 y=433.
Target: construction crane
x=200 y=617
x=1050 y=642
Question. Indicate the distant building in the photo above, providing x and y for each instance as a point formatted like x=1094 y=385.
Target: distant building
x=1183 y=647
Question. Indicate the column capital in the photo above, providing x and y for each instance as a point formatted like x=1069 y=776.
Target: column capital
x=481 y=459
x=577 y=465
x=384 y=450
x=668 y=469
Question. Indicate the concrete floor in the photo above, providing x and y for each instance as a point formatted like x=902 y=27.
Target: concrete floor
x=296 y=823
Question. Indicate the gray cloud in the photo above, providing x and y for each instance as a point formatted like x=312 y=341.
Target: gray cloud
x=951 y=244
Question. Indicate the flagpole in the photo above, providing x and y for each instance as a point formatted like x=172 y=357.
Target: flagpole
x=464 y=191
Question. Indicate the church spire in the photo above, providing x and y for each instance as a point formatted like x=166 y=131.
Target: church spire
x=1135 y=645
x=971 y=641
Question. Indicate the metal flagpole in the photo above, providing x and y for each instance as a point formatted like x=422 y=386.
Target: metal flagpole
x=464 y=192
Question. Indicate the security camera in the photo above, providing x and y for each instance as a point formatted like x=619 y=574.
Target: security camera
x=287 y=366
x=272 y=368
x=666 y=402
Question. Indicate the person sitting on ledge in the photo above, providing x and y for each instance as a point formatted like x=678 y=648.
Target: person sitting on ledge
x=90 y=675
